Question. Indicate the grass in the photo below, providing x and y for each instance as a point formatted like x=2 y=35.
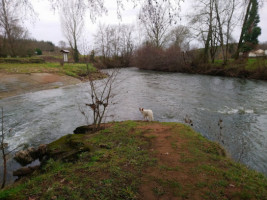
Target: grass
x=195 y=168
x=251 y=64
x=253 y=68
x=99 y=174
x=75 y=70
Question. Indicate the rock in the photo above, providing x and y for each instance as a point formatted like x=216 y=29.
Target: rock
x=83 y=130
x=68 y=147
x=42 y=149
x=27 y=156
x=23 y=157
x=24 y=171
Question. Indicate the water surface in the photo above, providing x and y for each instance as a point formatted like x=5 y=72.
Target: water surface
x=44 y=116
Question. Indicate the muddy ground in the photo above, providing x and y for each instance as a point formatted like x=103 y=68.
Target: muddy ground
x=16 y=84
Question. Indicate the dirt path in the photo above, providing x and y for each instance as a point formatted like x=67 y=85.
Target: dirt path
x=178 y=174
x=16 y=84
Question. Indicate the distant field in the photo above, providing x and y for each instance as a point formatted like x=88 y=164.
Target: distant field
x=74 y=70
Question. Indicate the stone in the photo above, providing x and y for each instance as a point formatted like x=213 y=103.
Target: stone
x=83 y=130
x=23 y=157
x=24 y=171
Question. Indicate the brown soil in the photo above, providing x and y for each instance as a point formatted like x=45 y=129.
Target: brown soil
x=16 y=84
x=172 y=177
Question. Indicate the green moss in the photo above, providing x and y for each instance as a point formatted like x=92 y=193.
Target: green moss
x=69 y=146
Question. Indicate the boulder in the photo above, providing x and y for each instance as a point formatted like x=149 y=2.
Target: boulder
x=24 y=171
x=25 y=157
x=83 y=130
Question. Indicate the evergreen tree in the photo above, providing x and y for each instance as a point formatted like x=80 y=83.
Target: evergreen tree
x=251 y=31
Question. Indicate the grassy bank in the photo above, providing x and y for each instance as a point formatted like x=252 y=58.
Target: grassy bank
x=252 y=68
x=139 y=160
x=70 y=69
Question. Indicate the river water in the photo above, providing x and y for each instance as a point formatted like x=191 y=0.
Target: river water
x=41 y=117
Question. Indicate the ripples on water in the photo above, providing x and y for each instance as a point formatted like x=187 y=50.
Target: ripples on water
x=44 y=116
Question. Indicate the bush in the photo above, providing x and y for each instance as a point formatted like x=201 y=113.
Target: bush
x=154 y=58
x=38 y=51
x=22 y=60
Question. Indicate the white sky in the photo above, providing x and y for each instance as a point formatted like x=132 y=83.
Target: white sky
x=47 y=26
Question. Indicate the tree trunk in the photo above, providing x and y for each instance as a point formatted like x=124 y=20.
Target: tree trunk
x=207 y=43
x=220 y=32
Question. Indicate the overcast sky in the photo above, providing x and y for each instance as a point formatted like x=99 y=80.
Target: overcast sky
x=47 y=26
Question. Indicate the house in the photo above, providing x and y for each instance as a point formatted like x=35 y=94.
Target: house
x=257 y=53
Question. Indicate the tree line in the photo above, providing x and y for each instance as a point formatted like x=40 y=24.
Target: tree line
x=211 y=24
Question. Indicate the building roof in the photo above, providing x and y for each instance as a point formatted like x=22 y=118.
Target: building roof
x=64 y=51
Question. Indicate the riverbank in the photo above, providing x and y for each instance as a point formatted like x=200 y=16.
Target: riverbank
x=139 y=160
x=16 y=78
x=253 y=68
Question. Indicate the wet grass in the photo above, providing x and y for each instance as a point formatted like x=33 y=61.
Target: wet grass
x=102 y=173
x=70 y=69
x=119 y=161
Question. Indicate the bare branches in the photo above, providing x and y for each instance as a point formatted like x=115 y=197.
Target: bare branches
x=115 y=42
x=12 y=16
x=72 y=23
x=213 y=21
x=97 y=8
x=99 y=95
x=156 y=20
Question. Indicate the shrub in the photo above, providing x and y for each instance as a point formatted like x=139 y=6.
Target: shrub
x=22 y=60
x=155 y=58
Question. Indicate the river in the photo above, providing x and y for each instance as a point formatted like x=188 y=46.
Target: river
x=43 y=116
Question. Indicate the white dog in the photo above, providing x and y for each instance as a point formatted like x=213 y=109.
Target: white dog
x=148 y=114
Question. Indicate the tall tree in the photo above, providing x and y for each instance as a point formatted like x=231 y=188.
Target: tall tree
x=156 y=20
x=180 y=36
x=250 y=30
x=203 y=22
x=72 y=23
x=224 y=12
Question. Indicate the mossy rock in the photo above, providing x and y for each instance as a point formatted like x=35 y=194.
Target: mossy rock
x=84 y=129
x=68 y=148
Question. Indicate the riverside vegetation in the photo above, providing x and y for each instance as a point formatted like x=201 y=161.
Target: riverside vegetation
x=138 y=160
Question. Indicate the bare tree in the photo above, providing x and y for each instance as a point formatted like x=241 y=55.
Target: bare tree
x=203 y=21
x=100 y=95
x=12 y=15
x=224 y=12
x=180 y=36
x=116 y=42
x=214 y=21
x=62 y=44
x=72 y=23
x=156 y=21
x=126 y=44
